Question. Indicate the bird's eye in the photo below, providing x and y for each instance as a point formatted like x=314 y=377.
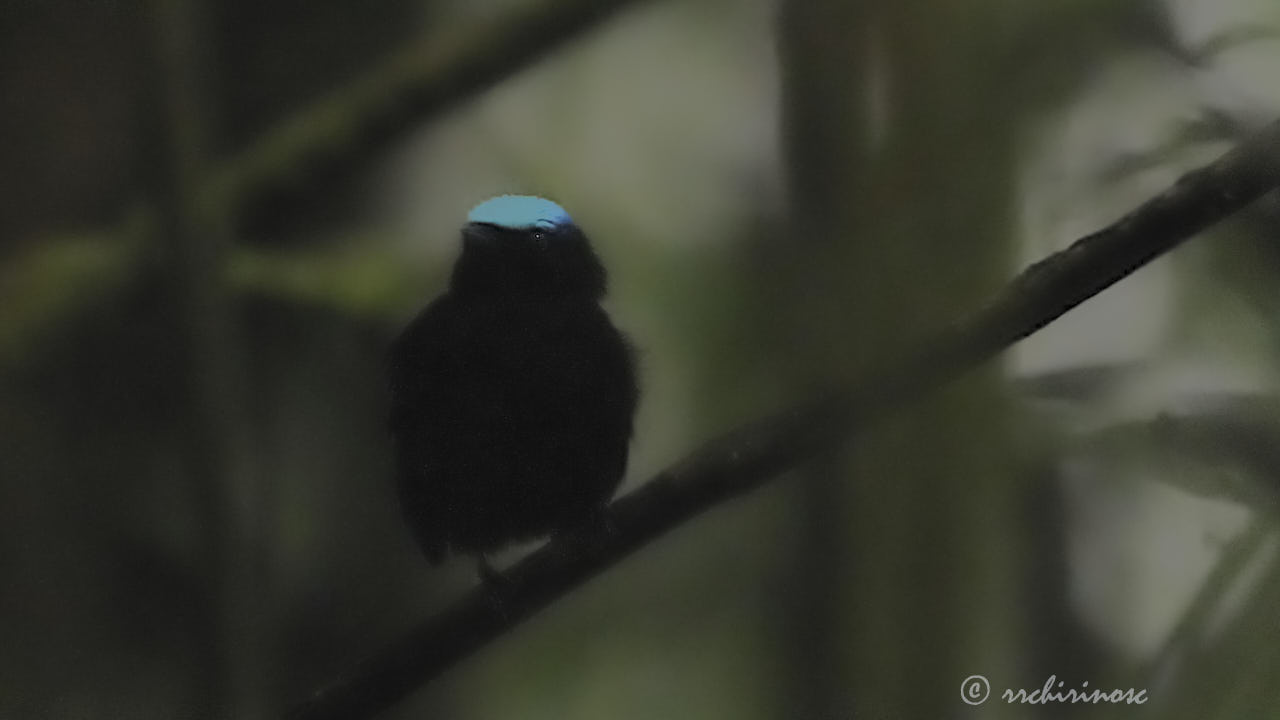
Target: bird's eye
x=540 y=238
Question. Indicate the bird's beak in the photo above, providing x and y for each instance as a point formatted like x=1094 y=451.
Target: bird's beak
x=479 y=235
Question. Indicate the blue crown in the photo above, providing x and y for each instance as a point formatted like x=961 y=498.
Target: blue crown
x=519 y=212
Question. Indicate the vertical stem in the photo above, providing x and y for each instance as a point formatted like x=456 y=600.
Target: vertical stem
x=827 y=121
x=194 y=253
x=901 y=178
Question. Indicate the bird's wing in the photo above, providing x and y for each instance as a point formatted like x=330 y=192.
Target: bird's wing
x=415 y=363
x=416 y=366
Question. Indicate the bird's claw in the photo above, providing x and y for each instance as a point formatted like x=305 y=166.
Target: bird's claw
x=496 y=586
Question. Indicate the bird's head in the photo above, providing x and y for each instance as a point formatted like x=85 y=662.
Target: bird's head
x=525 y=245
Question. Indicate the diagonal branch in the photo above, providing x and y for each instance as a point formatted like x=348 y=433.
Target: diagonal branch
x=750 y=456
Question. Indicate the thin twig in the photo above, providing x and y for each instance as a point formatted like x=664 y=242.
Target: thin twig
x=1193 y=623
x=748 y=457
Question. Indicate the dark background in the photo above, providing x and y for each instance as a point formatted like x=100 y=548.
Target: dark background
x=214 y=217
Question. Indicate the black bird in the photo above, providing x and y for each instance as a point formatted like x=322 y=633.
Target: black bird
x=512 y=394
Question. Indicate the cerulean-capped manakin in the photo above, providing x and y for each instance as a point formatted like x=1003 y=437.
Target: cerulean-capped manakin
x=512 y=394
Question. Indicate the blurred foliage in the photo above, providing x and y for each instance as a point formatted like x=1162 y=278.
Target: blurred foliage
x=44 y=286
x=1228 y=452
x=347 y=279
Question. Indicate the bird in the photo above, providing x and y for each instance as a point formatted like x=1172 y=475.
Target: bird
x=512 y=393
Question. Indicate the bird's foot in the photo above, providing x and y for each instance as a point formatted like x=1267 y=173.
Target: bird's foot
x=598 y=524
x=601 y=521
x=588 y=533
x=491 y=577
x=495 y=584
